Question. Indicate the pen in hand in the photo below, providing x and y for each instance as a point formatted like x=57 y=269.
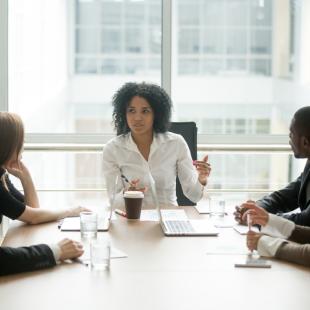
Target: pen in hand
x=125 y=179
x=249 y=221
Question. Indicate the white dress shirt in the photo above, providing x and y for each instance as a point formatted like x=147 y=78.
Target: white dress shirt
x=278 y=229
x=169 y=157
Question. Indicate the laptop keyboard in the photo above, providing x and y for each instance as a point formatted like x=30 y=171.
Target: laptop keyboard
x=179 y=226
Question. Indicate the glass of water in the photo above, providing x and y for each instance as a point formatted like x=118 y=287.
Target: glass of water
x=217 y=208
x=89 y=225
x=100 y=254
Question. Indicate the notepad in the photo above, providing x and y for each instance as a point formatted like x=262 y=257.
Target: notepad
x=224 y=222
x=254 y=262
x=202 y=208
x=167 y=214
x=243 y=230
x=73 y=224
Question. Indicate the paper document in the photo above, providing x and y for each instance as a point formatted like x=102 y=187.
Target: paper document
x=243 y=230
x=116 y=253
x=168 y=214
x=224 y=222
x=252 y=261
x=73 y=224
x=203 y=208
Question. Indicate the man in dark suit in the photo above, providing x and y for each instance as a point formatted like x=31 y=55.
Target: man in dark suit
x=297 y=193
x=15 y=260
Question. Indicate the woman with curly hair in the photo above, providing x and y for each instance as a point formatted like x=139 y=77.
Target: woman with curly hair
x=143 y=145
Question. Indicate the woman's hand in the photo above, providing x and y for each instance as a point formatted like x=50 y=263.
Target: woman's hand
x=18 y=169
x=256 y=214
x=134 y=186
x=70 y=249
x=252 y=239
x=203 y=169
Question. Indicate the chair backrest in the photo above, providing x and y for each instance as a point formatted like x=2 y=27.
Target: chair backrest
x=189 y=132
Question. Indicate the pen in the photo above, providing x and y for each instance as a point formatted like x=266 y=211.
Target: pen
x=60 y=223
x=125 y=179
x=249 y=220
x=120 y=212
x=80 y=261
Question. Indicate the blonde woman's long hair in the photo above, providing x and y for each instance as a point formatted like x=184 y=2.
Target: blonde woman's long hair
x=11 y=136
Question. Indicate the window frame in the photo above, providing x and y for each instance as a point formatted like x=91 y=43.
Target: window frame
x=50 y=140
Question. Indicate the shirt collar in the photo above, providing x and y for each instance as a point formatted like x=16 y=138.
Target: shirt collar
x=158 y=139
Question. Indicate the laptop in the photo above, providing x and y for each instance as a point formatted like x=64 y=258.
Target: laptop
x=184 y=227
x=73 y=223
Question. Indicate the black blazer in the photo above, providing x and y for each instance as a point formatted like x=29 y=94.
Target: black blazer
x=290 y=198
x=14 y=260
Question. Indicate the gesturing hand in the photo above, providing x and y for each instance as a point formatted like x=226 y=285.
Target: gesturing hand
x=203 y=168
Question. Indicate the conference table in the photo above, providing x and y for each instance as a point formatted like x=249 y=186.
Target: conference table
x=159 y=273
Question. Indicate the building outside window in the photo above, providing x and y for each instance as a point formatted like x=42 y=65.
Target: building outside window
x=237 y=69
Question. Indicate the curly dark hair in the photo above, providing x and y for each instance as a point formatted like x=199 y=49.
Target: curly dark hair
x=155 y=95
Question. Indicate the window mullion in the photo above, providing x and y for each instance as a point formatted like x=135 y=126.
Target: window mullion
x=4 y=55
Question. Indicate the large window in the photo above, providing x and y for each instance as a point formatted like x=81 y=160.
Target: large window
x=216 y=37
x=239 y=69
x=117 y=37
x=237 y=59
x=67 y=59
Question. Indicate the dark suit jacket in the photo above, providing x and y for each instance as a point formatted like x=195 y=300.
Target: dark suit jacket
x=14 y=260
x=290 y=198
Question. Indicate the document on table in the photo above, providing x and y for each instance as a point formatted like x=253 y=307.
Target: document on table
x=73 y=223
x=203 y=208
x=243 y=230
x=116 y=253
x=224 y=222
x=253 y=261
x=167 y=214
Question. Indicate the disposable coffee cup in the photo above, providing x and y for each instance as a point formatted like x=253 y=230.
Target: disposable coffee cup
x=133 y=204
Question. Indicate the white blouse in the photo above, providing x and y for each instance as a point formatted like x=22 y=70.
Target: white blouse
x=169 y=157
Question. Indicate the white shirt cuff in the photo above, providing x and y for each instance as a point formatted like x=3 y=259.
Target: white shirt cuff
x=196 y=193
x=56 y=251
x=278 y=227
x=268 y=246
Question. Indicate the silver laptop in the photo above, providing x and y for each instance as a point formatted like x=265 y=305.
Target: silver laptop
x=181 y=227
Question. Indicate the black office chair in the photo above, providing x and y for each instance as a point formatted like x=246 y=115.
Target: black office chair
x=189 y=132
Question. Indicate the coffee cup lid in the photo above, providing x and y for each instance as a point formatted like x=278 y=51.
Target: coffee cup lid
x=133 y=194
